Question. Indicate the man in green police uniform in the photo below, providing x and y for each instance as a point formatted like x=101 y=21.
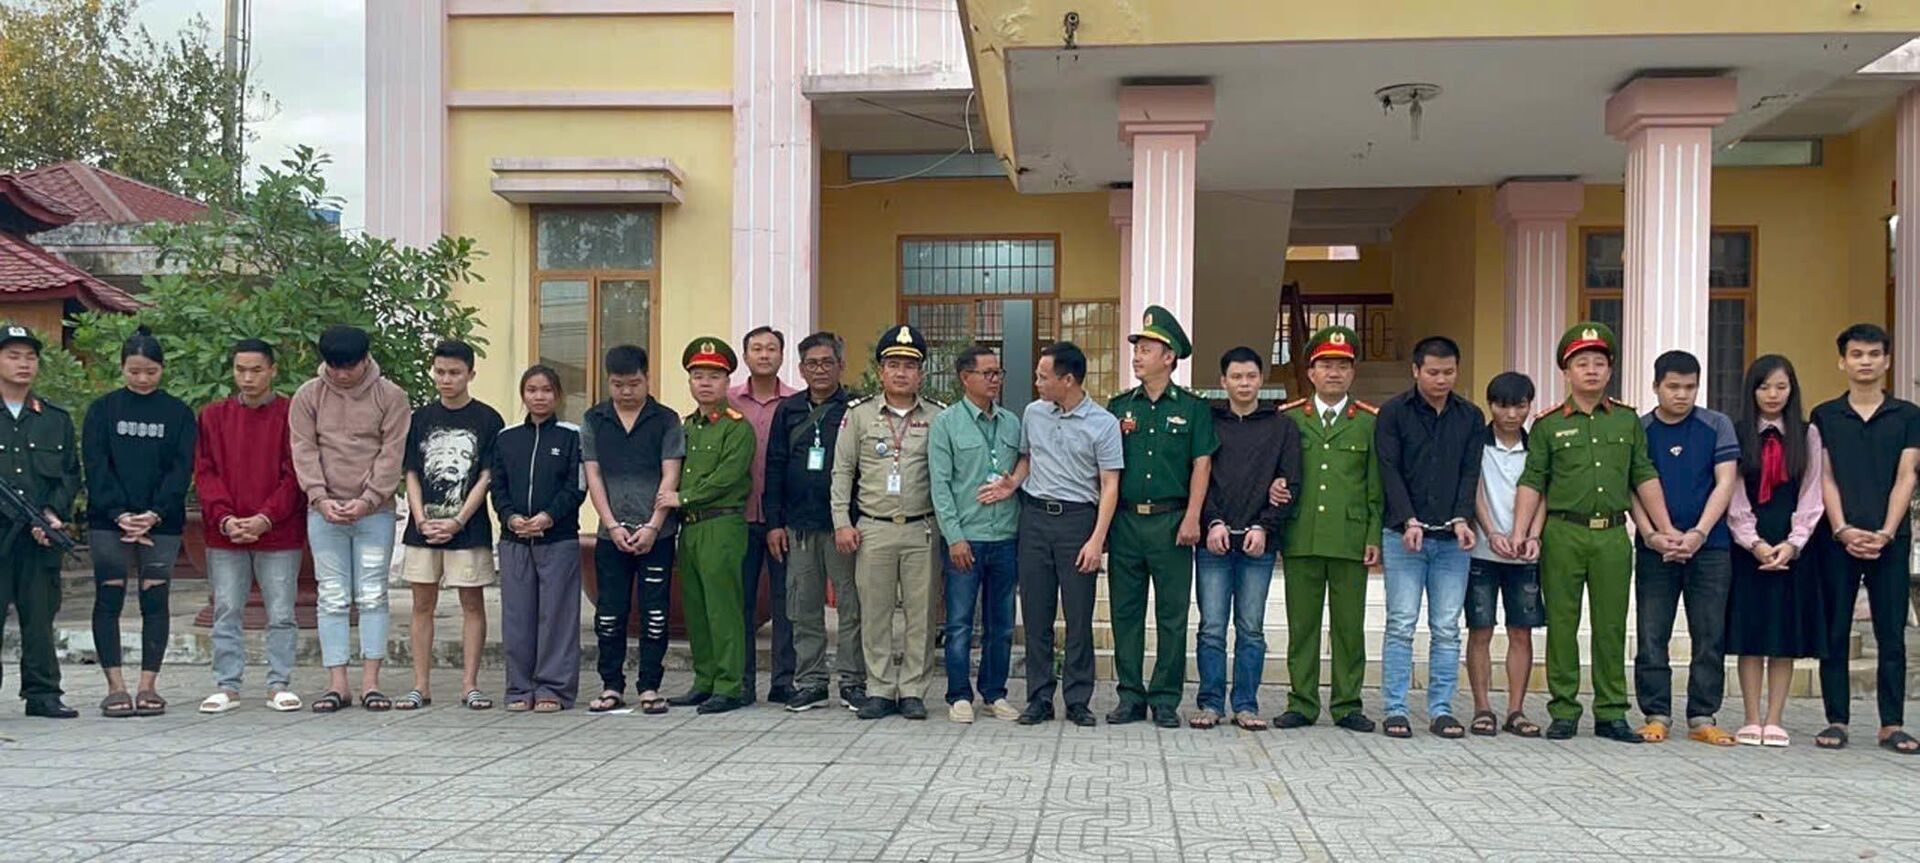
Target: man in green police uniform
x=1587 y=460
x=1167 y=435
x=38 y=459
x=712 y=499
x=1332 y=537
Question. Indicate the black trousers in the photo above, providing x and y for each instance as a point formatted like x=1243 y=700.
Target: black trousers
x=758 y=561
x=1658 y=588
x=622 y=577
x=1051 y=583
x=1886 y=579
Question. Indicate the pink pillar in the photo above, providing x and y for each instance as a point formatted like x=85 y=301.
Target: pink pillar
x=1906 y=266
x=1667 y=125
x=1164 y=125
x=775 y=182
x=1535 y=216
x=1120 y=214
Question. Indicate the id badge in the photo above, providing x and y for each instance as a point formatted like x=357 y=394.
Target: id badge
x=893 y=483
x=816 y=458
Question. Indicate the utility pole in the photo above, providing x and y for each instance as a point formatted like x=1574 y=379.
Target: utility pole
x=236 y=58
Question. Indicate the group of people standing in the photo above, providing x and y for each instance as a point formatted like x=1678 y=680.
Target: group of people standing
x=1767 y=524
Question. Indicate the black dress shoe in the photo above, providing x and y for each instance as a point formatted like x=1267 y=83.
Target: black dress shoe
x=1038 y=712
x=1166 y=716
x=722 y=704
x=1292 y=719
x=780 y=695
x=878 y=708
x=690 y=699
x=1081 y=715
x=913 y=708
x=51 y=709
x=1128 y=711
x=1617 y=729
x=1562 y=729
x=1356 y=721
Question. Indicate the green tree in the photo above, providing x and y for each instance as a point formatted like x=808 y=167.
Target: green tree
x=79 y=80
x=270 y=268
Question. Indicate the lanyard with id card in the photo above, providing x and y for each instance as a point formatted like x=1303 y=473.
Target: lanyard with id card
x=816 y=454
x=899 y=433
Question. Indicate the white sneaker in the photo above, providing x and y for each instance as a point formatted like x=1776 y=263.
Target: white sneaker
x=1004 y=711
x=961 y=712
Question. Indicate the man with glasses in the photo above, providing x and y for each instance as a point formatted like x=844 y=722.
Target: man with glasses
x=758 y=397
x=800 y=453
x=970 y=453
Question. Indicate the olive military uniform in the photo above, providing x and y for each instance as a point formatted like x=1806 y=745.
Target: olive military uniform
x=38 y=458
x=714 y=483
x=880 y=468
x=1587 y=464
x=1161 y=438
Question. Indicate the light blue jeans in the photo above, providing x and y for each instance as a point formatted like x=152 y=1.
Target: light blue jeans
x=230 y=572
x=1231 y=586
x=350 y=564
x=1439 y=573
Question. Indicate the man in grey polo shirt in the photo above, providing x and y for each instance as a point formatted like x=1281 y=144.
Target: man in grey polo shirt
x=1069 y=476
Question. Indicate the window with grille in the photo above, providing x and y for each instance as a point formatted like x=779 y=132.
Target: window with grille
x=596 y=284
x=954 y=289
x=1094 y=327
x=1731 y=270
x=1370 y=316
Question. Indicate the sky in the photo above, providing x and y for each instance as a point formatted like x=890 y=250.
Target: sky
x=309 y=55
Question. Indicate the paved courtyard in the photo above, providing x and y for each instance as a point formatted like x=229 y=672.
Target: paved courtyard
x=450 y=784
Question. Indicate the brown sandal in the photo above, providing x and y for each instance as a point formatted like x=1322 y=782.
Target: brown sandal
x=1204 y=719
x=149 y=703
x=1520 y=726
x=117 y=705
x=1485 y=724
x=548 y=705
x=1247 y=720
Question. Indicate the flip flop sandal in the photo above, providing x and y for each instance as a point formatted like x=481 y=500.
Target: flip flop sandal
x=519 y=705
x=1894 y=741
x=331 y=702
x=219 y=702
x=608 y=700
x=1397 y=727
x=655 y=706
x=118 y=705
x=548 y=705
x=1447 y=727
x=477 y=700
x=1247 y=720
x=1485 y=724
x=413 y=700
x=373 y=700
x=1204 y=720
x=1834 y=737
x=149 y=703
x=1519 y=725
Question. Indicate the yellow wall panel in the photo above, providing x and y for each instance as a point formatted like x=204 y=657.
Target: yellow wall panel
x=650 y=52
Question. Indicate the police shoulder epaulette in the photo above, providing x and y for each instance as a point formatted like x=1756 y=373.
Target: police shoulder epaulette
x=1618 y=403
x=735 y=415
x=1292 y=404
x=1360 y=405
x=1548 y=412
x=856 y=401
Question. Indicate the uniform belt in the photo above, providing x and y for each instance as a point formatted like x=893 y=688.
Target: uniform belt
x=1055 y=507
x=900 y=519
x=1158 y=507
x=1592 y=521
x=697 y=515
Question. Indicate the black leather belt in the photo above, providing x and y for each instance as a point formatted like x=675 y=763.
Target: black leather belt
x=1055 y=507
x=1591 y=521
x=901 y=519
x=1159 y=507
x=698 y=515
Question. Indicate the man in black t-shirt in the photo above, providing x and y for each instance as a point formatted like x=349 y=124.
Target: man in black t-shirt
x=449 y=539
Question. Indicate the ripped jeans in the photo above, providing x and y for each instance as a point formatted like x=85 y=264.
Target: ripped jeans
x=621 y=577
x=350 y=566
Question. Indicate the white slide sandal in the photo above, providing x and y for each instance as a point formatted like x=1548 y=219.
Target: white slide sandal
x=219 y=702
x=284 y=701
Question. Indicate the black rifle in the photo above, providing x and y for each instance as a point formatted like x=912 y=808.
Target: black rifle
x=15 y=508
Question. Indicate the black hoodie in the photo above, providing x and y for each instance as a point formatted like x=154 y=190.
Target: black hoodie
x=1254 y=450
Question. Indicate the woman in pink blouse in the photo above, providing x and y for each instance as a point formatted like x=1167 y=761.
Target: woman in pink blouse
x=1774 y=611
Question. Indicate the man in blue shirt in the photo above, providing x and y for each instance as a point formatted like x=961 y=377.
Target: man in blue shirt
x=1697 y=454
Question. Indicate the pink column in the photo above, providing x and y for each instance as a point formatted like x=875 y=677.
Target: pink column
x=406 y=121
x=1120 y=214
x=1164 y=125
x=1535 y=216
x=775 y=206
x=1906 y=265
x=1667 y=125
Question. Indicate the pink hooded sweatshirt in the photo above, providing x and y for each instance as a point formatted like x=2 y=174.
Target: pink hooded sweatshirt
x=348 y=443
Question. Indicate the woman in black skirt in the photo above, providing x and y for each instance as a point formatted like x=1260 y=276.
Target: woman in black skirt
x=1774 y=611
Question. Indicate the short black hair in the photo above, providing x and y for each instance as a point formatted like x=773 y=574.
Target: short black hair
x=1866 y=334
x=251 y=346
x=824 y=339
x=763 y=331
x=1509 y=388
x=626 y=360
x=969 y=359
x=143 y=344
x=1241 y=354
x=1068 y=359
x=1438 y=347
x=1675 y=363
x=455 y=349
x=342 y=346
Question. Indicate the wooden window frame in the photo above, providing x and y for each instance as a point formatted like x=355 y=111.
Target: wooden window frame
x=1750 y=292
x=537 y=277
x=902 y=299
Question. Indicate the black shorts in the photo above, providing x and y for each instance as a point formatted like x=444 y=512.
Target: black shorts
x=1489 y=581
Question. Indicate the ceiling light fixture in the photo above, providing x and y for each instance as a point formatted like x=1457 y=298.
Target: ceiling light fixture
x=1410 y=95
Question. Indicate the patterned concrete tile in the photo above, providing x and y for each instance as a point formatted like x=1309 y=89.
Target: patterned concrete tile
x=500 y=836
x=105 y=827
x=630 y=784
x=883 y=815
x=174 y=852
x=33 y=851
x=298 y=854
x=413 y=764
x=443 y=804
x=305 y=802
x=706 y=812
x=136 y=780
x=193 y=803
x=646 y=843
x=258 y=831
x=1682 y=844
x=444 y=855
x=813 y=844
x=603 y=809
x=258 y=781
x=958 y=847
x=398 y=832
x=1079 y=837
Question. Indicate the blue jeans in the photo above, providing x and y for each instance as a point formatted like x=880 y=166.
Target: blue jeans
x=1439 y=572
x=991 y=584
x=1237 y=584
x=230 y=574
x=350 y=565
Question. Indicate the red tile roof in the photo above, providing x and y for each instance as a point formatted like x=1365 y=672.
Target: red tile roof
x=29 y=273
x=98 y=195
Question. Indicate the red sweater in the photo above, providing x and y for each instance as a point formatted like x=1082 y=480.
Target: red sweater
x=243 y=465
